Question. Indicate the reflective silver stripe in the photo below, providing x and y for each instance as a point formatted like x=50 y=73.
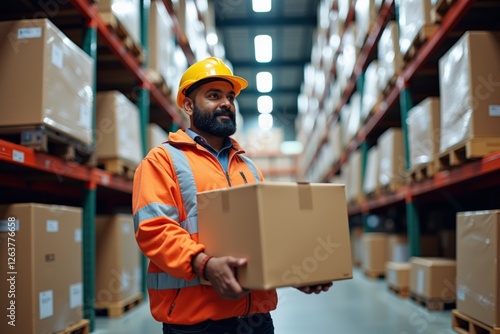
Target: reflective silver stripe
x=186 y=180
x=154 y=210
x=164 y=281
x=190 y=225
x=252 y=167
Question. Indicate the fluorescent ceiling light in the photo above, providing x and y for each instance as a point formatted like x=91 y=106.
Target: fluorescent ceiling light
x=265 y=104
x=263 y=48
x=264 y=82
x=266 y=121
x=261 y=6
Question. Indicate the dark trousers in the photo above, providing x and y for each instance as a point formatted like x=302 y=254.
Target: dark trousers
x=252 y=324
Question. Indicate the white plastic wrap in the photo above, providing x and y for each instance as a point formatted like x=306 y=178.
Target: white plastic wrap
x=127 y=12
x=468 y=80
x=45 y=79
x=413 y=15
x=389 y=57
x=355 y=186
x=423 y=131
x=392 y=161
x=370 y=184
x=117 y=128
x=349 y=50
x=366 y=16
x=344 y=6
x=345 y=114
x=354 y=117
x=372 y=95
x=336 y=140
x=161 y=39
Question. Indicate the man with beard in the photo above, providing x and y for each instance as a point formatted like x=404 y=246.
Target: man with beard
x=198 y=159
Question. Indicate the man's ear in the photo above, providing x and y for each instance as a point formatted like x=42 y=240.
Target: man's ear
x=188 y=106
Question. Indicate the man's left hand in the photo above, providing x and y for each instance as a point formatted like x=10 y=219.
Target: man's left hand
x=315 y=288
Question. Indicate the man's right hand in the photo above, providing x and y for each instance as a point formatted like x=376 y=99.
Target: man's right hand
x=220 y=271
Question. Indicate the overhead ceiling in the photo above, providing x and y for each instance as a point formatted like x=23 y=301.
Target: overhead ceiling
x=291 y=24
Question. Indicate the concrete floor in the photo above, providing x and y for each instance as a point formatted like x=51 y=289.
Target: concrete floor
x=357 y=306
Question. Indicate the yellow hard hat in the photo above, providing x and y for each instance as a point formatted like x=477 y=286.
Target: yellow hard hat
x=203 y=71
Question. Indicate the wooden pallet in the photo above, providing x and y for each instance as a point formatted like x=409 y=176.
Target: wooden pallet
x=424 y=33
x=432 y=304
x=43 y=139
x=391 y=188
x=117 y=309
x=440 y=10
x=400 y=292
x=81 y=327
x=422 y=172
x=115 y=25
x=118 y=166
x=464 y=324
x=474 y=148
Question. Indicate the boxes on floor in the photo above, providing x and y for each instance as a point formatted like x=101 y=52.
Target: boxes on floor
x=375 y=253
x=41 y=253
x=398 y=275
x=433 y=278
x=478 y=265
x=292 y=234
x=118 y=260
x=36 y=57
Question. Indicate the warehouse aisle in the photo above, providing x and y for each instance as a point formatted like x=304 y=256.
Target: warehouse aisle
x=358 y=306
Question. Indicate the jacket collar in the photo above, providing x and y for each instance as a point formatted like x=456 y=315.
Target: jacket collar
x=181 y=137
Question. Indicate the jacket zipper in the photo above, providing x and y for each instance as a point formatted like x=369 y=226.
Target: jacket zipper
x=244 y=177
x=173 y=302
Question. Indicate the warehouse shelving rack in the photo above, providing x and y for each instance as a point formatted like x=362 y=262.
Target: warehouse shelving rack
x=27 y=174
x=471 y=177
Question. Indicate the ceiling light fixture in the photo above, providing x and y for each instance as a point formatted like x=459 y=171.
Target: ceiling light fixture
x=264 y=82
x=266 y=121
x=265 y=104
x=263 y=48
x=261 y=6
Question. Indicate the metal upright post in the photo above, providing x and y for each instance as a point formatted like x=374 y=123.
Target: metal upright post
x=89 y=200
x=412 y=217
x=143 y=103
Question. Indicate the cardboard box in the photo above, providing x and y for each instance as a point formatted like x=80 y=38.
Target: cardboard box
x=117 y=128
x=472 y=108
x=433 y=278
x=392 y=170
x=370 y=182
x=118 y=260
x=398 y=275
x=161 y=40
x=42 y=247
x=478 y=265
x=37 y=58
x=424 y=131
x=127 y=12
x=413 y=16
x=374 y=252
x=259 y=221
x=372 y=95
x=354 y=185
x=156 y=136
x=356 y=245
x=398 y=248
x=389 y=58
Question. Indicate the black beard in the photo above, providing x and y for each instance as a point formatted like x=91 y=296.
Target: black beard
x=208 y=122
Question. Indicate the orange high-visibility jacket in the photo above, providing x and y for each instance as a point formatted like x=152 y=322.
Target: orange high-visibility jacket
x=166 y=229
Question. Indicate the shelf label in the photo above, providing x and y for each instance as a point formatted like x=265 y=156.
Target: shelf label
x=494 y=110
x=75 y=295
x=52 y=226
x=78 y=235
x=85 y=118
x=25 y=33
x=420 y=281
x=57 y=56
x=46 y=303
x=18 y=156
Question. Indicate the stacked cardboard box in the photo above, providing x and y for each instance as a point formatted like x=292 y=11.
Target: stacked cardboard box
x=413 y=16
x=471 y=109
x=374 y=253
x=118 y=261
x=117 y=128
x=126 y=12
x=478 y=265
x=38 y=58
x=41 y=249
x=392 y=170
x=161 y=40
x=156 y=136
x=398 y=275
x=389 y=57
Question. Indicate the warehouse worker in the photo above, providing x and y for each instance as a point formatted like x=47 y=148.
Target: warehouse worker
x=200 y=158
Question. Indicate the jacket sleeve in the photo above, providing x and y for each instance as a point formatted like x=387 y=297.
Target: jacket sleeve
x=158 y=210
